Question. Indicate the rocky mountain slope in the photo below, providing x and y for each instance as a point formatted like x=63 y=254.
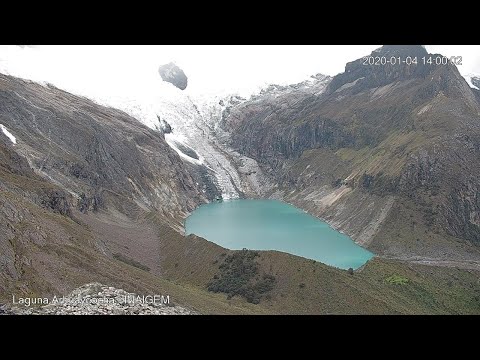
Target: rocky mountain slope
x=98 y=156
x=76 y=184
x=388 y=154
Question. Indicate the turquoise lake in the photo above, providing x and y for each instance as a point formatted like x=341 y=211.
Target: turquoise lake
x=274 y=225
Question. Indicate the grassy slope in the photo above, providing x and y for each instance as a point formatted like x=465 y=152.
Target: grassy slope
x=326 y=290
x=190 y=262
x=68 y=260
x=431 y=290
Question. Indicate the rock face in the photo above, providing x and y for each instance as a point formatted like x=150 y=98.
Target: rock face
x=360 y=76
x=388 y=154
x=81 y=184
x=98 y=299
x=97 y=155
x=174 y=75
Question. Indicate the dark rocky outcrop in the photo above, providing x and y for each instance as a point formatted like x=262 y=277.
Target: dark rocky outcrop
x=362 y=77
x=388 y=154
x=174 y=75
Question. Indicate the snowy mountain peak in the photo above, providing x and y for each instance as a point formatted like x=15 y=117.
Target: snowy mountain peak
x=315 y=84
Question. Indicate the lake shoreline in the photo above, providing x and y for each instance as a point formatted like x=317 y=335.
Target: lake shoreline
x=272 y=224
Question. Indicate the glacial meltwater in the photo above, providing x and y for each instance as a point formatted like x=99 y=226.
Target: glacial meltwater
x=274 y=225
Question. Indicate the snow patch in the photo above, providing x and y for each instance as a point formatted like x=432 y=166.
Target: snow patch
x=348 y=85
x=171 y=140
x=468 y=78
x=424 y=109
x=8 y=134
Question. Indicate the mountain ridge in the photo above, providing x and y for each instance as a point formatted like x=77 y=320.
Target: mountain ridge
x=378 y=143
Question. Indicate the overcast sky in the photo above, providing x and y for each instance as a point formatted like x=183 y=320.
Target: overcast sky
x=210 y=69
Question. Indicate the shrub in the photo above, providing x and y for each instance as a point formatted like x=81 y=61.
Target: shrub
x=397 y=280
x=239 y=275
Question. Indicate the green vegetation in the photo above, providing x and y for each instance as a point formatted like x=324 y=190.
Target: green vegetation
x=396 y=280
x=239 y=275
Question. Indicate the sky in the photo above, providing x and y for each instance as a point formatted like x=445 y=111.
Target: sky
x=211 y=69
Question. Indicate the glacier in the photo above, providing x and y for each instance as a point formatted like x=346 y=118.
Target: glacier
x=192 y=122
x=189 y=121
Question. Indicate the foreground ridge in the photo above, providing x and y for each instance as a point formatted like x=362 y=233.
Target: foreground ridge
x=99 y=299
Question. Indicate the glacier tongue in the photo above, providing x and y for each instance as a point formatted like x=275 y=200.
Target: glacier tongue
x=192 y=123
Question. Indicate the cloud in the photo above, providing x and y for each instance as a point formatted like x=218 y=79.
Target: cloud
x=221 y=68
x=112 y=70
x=470 y=56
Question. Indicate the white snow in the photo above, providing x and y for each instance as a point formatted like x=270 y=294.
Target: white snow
x=468 y=78
x=171 y=139
x=8 y=134
x=424 y=109
x=193 y=122
x=348 y=85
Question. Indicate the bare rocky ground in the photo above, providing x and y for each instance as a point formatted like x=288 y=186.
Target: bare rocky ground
x=98 y=299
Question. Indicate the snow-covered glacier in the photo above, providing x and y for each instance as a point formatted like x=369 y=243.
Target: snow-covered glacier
x=189 y=121
x=189 y=125
x=186 y=120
